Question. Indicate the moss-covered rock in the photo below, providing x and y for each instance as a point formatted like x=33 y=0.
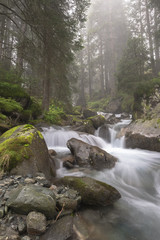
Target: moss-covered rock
x=23 y=150
x=98 y=121
x=89 y=113
x=94 y=193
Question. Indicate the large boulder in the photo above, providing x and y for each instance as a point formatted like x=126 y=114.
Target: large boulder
x=25 y=199
x=93 y=192
x=143 y=134
x=23 y=151
x=87 y=155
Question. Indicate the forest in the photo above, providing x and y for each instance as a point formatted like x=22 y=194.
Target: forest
x=86 y=56
x=79 y=119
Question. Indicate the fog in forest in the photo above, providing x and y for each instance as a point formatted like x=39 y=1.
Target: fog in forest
x=82 y=52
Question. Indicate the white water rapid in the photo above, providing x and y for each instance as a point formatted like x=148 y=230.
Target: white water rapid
x=136 y=216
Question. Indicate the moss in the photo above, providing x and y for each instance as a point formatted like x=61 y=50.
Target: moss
x=14 y=146
x=9 y=106
x=3 y=117
x=12 y=152
x=40 y=134
x=10 y=132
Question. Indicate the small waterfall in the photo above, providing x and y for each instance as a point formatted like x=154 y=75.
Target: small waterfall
x=57 y=138
x=113 y=133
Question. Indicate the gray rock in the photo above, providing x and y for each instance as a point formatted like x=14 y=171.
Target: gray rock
x=22 y=227
x=25 y=199
x=29 y=181
x=94 y=193
x=60 y=230
x=36 y=223
x=1 y=212
x=87 y=155
x=25 y=238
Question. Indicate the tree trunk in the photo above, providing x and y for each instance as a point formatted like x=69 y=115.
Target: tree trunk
x=89 y=67
x=82 y=93
x=157 y=45
x=46 y=84
x=150 y=38
x=101 y=69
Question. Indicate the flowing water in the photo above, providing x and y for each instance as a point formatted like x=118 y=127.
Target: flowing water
x=136 y=216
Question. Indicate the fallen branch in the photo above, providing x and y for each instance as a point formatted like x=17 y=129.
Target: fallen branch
x=60 y=212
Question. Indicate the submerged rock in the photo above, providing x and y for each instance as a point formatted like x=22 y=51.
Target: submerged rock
x=25 y=199
x=94 y=193
x=87 y=155
x=24 y=151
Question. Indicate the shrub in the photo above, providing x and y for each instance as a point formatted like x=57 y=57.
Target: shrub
x=55 y=115
x=8 y=90
x=9 y=106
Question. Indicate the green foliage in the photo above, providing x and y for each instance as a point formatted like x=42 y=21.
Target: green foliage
x=55 y=115
x=127 y=102
x=3 y=117
x=99 y=105
x=34 y=108
x=9 y=76
x=77 y=110
x=131 y=67
x=144 y=90
x=8 y=90
x=9 y=105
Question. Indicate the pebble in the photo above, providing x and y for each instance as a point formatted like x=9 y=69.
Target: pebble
x=29 y=181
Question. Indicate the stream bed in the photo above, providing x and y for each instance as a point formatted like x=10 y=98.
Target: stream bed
x=136 y=216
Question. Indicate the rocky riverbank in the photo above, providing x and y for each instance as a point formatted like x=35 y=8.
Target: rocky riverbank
x=33 y=208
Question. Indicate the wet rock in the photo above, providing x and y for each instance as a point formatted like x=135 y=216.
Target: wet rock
x=36 y=223
x=86 y=126
x=94 y=193
x=87 y=155
x=68 y=161
x=52 y=152
x=25 y=199
x=98 y=121
x=60 y=230
x=104 y=133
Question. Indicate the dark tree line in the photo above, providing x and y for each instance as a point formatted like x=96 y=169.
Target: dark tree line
x=38 y=39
